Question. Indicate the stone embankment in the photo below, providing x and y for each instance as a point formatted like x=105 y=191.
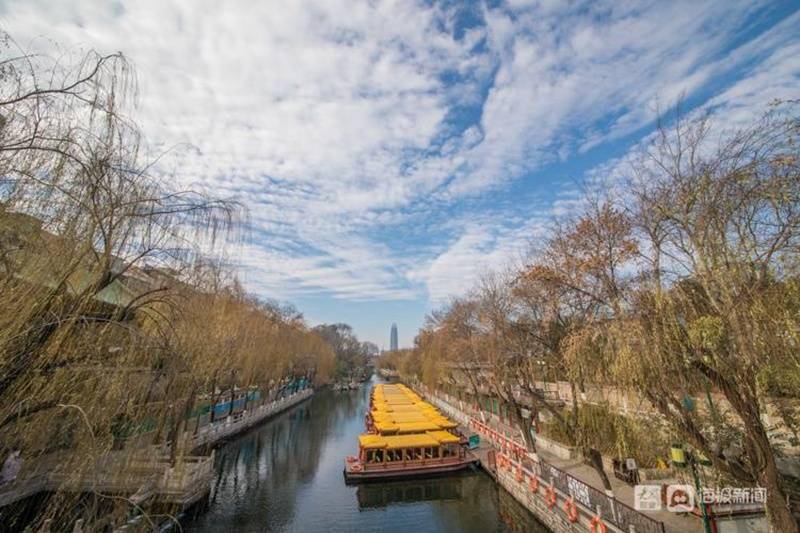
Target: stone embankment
x=563 y=502
x=143 y=474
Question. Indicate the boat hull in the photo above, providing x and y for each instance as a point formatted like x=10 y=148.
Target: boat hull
x=416 y=472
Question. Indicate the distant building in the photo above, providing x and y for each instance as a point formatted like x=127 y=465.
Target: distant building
x=393 y=338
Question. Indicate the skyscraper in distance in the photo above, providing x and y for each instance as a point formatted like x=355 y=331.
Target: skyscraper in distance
x=393 y=338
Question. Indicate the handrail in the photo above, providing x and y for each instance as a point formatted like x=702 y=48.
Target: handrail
x=222 y=428
x=571 y=484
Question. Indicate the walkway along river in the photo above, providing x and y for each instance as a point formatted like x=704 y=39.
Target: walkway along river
x=286 y=475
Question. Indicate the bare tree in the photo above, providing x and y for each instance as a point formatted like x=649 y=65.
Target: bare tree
x=719 y=217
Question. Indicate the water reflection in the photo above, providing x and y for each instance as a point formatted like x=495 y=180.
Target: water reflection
x=383 y=494
x=287 y=476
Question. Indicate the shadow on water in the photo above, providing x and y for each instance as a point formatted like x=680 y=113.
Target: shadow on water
x=287 y=476
x=384 y=494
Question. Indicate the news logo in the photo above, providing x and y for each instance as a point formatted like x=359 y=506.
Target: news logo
x=680 y=498
x=684 y=498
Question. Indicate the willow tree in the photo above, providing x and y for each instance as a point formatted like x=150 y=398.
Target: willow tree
x=507 y=350
x=718 y=213
x=351 y=354
x=86 y=230
x=483 y=342
x=232 y=340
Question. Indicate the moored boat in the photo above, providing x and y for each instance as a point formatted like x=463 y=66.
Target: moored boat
x=406 y=456
x=406 y=438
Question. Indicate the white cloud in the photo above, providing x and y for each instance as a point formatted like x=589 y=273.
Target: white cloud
x=332 y=100
x=333 y=122
x=583 y=76
x=480 y=247
x=774 y=76
x=625 y=70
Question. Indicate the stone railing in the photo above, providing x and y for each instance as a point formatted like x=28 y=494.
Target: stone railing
x=234 y=424
x=463 y=413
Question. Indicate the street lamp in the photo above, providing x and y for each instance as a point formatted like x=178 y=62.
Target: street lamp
x=681 y=458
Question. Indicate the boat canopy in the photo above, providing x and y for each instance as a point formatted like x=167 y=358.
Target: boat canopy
x=416 y=427
x=444 y=437
x=385 y=427
x=417 y=440
x=368 y=441
x=403 y=408
x=409 y=417
x=398 y=409
x=406 y=418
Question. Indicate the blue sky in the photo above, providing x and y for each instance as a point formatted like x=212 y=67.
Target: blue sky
x=389 y=152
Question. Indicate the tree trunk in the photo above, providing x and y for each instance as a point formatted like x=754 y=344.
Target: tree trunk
x=778 y=512
x=768 y=477
x=233 y=396
x=593 y=455
x=758 y=448
x=574 y=394
x=197 y=423
x=596 y=460
x=181 y=417
x=214 y=399
x=525 y=425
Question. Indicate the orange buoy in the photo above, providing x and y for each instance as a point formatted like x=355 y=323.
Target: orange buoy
x=597 y=525
x=550 y=496
x=571 y=509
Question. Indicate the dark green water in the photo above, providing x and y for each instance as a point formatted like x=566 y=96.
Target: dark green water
x=287 y=476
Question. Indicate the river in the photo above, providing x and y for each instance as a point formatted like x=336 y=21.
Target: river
x=286 y=475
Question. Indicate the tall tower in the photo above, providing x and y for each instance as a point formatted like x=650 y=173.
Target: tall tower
x=393 y=338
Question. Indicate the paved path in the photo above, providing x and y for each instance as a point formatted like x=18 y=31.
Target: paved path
x=624 y=492
x=673 y=522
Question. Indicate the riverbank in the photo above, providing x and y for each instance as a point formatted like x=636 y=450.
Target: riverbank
x=233 y=425
x=144 y=475
x=556 y=481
